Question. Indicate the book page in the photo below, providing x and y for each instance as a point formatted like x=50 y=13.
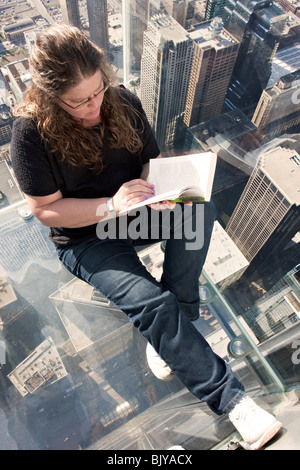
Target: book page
x=206 y=167
x=168 y=174
x=176 y=173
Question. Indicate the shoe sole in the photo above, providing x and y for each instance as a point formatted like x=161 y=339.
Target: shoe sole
x=267 y=436
x=165 y=378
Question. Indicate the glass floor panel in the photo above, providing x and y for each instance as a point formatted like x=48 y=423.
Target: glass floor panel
x=73 y=370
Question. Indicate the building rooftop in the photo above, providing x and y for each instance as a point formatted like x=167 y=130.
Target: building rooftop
x=169 y=28
x=19 y=74
x=5 y=114
x=224 y=259
x=282 y=166
x=24 y=23
x=7 y=294
x=271 y=12
x=115 y=30
x=285 y=61
x=212 y=34
x=8 y=185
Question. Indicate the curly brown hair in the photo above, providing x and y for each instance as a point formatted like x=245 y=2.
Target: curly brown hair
x=60 y=59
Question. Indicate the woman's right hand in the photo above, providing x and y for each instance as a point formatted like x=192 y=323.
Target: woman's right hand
x=131 y=193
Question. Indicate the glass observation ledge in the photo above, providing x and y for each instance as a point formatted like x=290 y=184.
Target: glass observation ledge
x=73 y=369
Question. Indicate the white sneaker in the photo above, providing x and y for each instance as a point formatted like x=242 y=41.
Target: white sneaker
x=157 y=365
x=255 y=425
x=176 y=448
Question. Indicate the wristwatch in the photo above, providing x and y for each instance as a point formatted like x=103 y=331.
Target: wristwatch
x=110 y=207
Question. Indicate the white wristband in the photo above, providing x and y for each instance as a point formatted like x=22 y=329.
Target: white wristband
x=110 y=207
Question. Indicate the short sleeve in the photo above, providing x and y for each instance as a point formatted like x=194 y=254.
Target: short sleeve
x=151 y=149
x=30 y=161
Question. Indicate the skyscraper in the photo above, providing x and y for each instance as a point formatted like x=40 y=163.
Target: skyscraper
x=258 y=25
x=70 y=12
x=215 y=52
x=165 y=72
x=267 y=215
x=97 y=15
x=214 y=8
x=6 y=123
x=278 y=108
x=134 y=30
x=177 y=9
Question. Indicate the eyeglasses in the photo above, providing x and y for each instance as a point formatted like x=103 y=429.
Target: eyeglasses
x=86 y=102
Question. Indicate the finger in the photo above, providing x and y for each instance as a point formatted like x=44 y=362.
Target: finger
x=162 y=205
x=170 y=205
x=138 y=191
x=138 y=183
x=132 y=199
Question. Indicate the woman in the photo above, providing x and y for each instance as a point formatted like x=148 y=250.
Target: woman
x=80 y=150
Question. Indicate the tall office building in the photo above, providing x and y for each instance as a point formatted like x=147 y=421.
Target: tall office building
x=177 y=9
x=6 y=123
x=277 y=310
x=259 y=27
x=70 y=12
x=214 y=8
x=134 y=30
x=215 y=52
x=43 y=366
x=165 y=72
x=267 y=215
x=98 y=22
x=279 y=107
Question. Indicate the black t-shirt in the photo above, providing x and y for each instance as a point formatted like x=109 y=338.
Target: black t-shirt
x=41 y=173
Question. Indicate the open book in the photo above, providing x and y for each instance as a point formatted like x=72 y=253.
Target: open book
x=181 y=179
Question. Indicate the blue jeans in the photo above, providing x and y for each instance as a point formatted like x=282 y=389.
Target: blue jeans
x=162 y=311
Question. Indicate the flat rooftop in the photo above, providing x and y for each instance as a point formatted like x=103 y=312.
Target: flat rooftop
x=169 y=29
x=211 y=34
x=282 y=166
